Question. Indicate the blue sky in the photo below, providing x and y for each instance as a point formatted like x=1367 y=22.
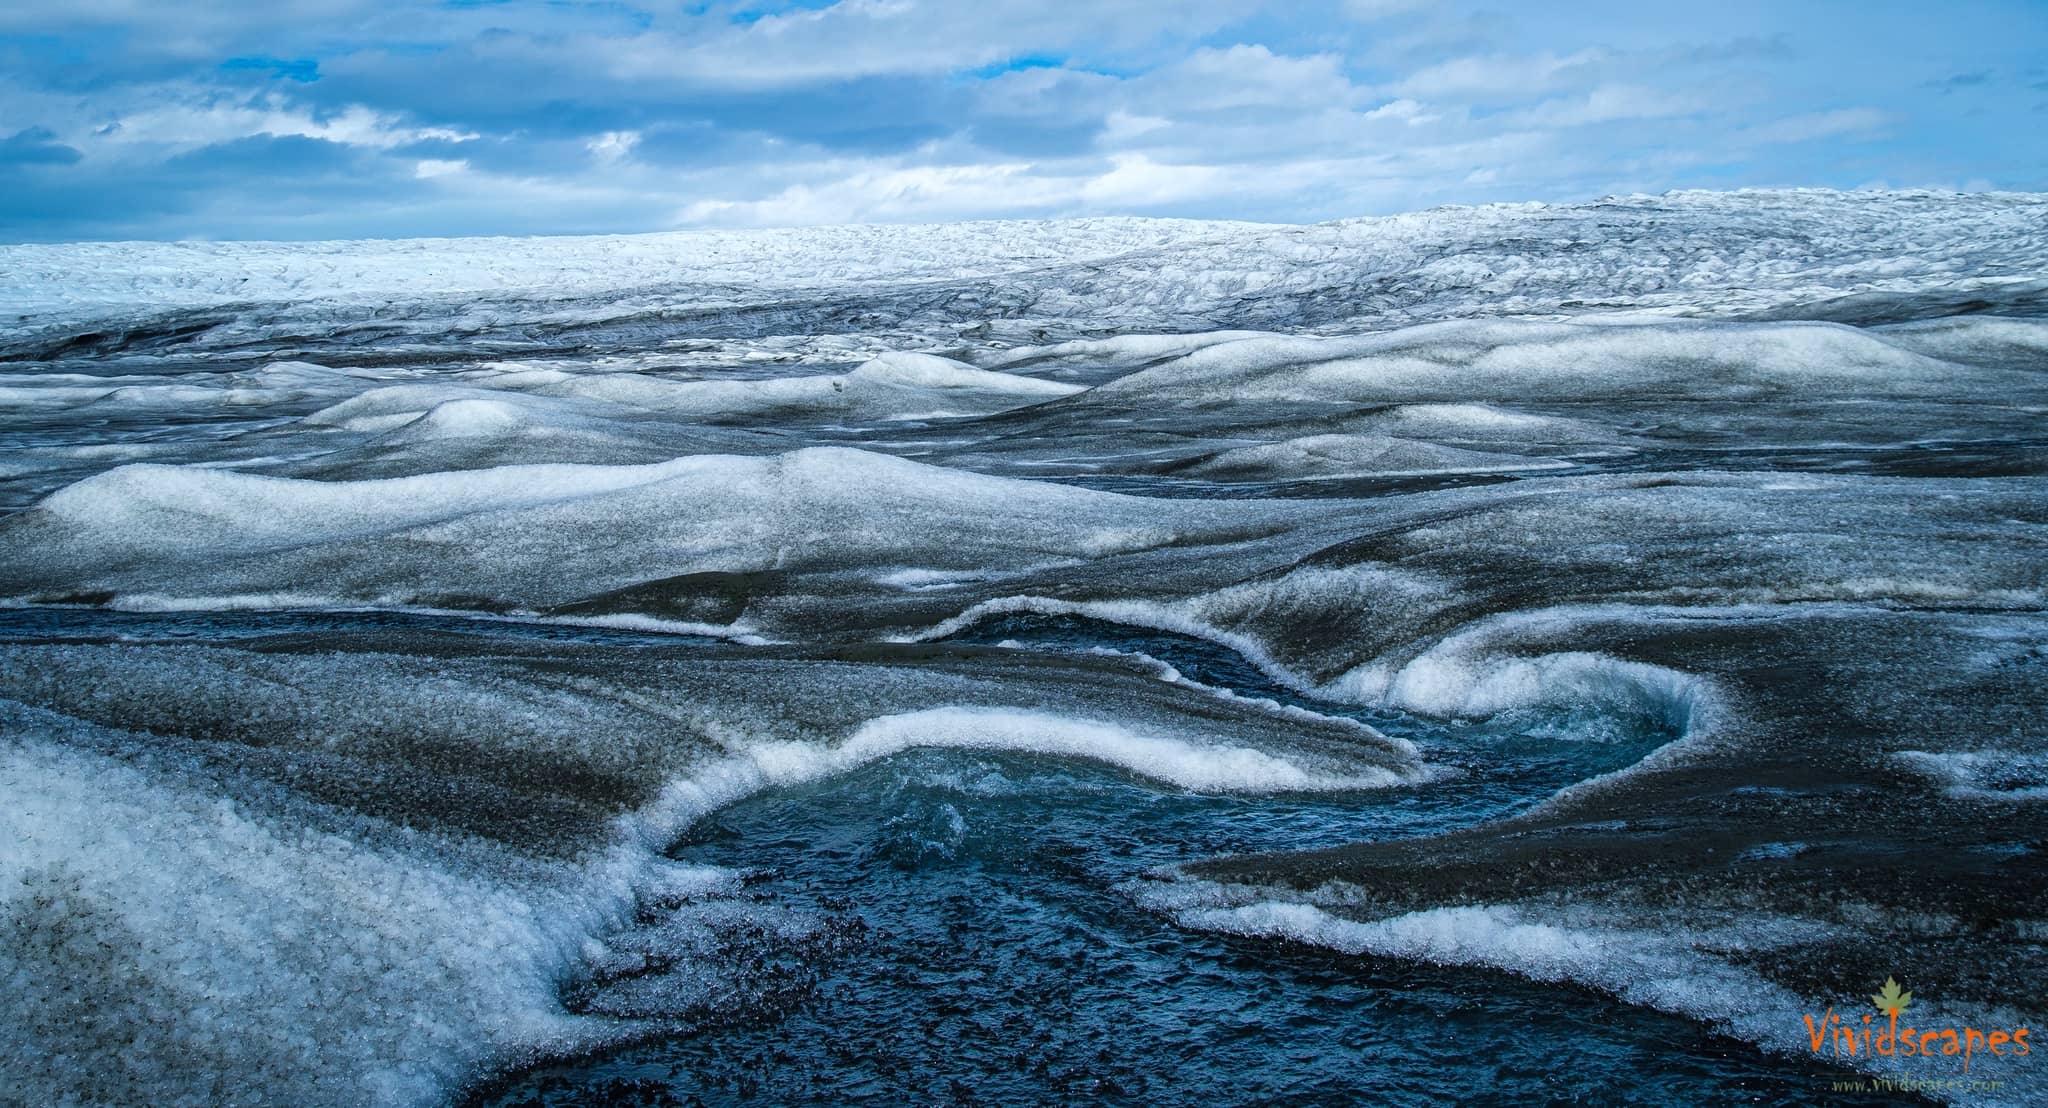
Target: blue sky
x=341 y=118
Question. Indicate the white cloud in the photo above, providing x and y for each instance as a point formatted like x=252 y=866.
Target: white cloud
x=1403 y=110
x=1121 y=126
x=1816 y=125
x=869 y=38
x=1497 y=76
x=1609 y=103
x=876 y=192
x=841 y=192
x=612 y=147
x=1138 y=182
x=201 y=121
x=886 y=190
x=1250 y=76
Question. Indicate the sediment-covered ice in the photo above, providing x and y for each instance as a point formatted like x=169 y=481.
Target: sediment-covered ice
x=1357 y=456
x=893 y=386
x=1991 y=340
x=200 y=939
x=1510 y=362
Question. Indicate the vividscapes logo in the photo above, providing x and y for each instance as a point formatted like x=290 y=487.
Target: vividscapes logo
x=1889 y=1040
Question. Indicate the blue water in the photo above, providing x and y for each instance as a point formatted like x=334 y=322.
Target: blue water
x=102 y=625
x=976 y=941
x=986 y=950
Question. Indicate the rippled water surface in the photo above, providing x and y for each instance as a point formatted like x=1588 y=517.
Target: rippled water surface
x=980 y=946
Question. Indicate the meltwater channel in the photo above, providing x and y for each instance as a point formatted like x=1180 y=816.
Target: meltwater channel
x=956 y=926
x=963 y=927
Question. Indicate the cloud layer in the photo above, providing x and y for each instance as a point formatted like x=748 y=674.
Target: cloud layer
x=330 y=118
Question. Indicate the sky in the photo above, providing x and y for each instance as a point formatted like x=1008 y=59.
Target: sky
x=309 y=119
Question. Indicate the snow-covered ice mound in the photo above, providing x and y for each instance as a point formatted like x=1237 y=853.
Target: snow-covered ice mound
x=1357 y=456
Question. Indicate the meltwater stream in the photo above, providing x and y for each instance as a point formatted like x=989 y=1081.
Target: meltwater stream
x=972 y=935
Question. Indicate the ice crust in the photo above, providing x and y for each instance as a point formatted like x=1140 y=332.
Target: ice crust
x=1690 y=968
x=1503 y=362
x=1357 y=456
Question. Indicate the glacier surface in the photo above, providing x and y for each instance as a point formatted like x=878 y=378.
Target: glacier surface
x=654 y=523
